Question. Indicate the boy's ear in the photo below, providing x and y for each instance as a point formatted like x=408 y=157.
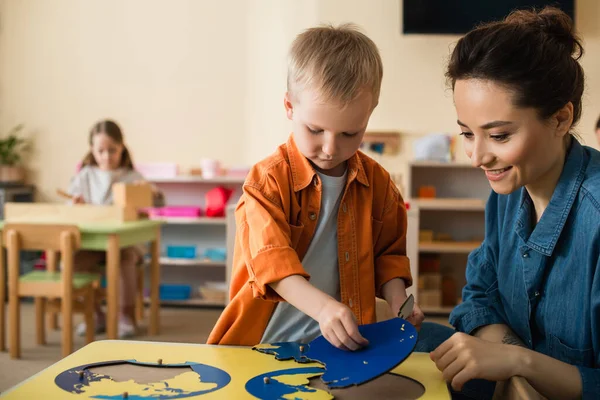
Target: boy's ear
x=289 y=107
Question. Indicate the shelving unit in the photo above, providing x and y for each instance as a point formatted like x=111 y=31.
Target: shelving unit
x=456 y=218
x=201 y=232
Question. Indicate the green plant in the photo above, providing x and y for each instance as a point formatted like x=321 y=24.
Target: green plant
x=13 y=146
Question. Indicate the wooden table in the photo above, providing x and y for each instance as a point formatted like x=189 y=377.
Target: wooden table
x=178 y=370
x=111 y=237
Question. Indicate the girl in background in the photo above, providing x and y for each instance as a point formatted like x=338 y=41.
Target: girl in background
x=108 y=162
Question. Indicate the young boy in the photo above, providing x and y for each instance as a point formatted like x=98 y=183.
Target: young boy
x=321 y=228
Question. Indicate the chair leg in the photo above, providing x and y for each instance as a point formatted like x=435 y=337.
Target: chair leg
x=40 y=308
x=139 y=299
x=51 y=264
x=90 y=323
x=14 y=318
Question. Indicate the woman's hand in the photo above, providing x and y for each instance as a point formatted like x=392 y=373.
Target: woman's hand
x=338 y=325
x=464 y=357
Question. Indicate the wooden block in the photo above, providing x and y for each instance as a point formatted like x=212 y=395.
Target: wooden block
x=429 y=263
x=67 y=213
x=431 y=281
x=430 y=298
x=427 y=192
x=443 y=237
x=425 y=235
x=132 y=195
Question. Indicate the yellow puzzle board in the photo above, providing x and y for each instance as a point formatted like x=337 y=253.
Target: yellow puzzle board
x=240 y=363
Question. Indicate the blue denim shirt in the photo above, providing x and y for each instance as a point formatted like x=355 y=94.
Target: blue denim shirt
x=543 y=281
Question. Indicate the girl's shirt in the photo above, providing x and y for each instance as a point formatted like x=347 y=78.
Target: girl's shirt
x=95 y=184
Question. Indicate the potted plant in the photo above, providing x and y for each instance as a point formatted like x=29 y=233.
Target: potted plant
x=12 y=148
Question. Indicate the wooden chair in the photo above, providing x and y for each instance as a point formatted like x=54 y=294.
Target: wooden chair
x=65 y=285
x=101 y=292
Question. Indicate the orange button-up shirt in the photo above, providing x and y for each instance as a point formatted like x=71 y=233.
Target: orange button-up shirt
x=276 y=219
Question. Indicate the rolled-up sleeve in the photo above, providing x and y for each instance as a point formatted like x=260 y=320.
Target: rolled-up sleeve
x=267 y=245
x=390 y=249
x=479 y=295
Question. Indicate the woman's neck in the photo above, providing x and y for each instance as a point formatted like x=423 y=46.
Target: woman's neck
x=542 y=190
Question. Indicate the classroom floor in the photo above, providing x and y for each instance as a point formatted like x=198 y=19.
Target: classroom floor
x=185 y=325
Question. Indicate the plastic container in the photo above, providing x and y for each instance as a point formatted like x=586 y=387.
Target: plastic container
x=174 y=292
x=210 y=168
x=181 y=251
x=157 y=170
x=181 y=211
x=216 y=254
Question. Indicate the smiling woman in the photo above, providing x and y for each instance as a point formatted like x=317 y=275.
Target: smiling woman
x=517 y=89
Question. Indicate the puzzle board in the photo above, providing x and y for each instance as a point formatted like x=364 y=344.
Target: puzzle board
x=210 y=372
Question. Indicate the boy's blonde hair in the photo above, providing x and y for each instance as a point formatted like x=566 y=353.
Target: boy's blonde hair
x=337 y=61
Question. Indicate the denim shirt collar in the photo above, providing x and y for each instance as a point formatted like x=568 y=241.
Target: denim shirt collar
x=546 y=233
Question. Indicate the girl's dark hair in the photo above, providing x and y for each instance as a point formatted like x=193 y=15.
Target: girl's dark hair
x=112 y=130
x=533 y=53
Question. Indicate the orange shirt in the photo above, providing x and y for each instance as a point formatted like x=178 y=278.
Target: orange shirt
x=276 y=219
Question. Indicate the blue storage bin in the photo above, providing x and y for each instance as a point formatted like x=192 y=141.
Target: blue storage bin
x=169 y=291
x=181 y=251
x=216 y=254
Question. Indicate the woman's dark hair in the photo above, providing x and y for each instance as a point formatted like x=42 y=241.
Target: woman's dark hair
x=598 y=123
x=112 y=130
x=533 y=53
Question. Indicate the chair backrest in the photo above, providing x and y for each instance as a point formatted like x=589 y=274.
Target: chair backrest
x=41 y=236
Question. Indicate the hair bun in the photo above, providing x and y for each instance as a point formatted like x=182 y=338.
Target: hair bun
x=553 y=22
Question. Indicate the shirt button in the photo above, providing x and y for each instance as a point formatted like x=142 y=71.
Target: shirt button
x=537 y=294
x=344 y=207
x=312 y=216
x=525 y=255
x=350 y=302
x=347 y=256
x=315 y=181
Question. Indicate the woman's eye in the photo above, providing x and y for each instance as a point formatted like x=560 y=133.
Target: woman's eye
x=467 y=135
x=500 y=138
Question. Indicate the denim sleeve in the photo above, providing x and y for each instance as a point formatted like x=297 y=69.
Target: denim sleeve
x=590 y=377
x=480 y=295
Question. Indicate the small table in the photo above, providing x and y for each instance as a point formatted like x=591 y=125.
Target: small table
x=112 y=237
x=109 y=368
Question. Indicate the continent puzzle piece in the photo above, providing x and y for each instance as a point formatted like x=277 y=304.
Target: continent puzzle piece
x=390 y=343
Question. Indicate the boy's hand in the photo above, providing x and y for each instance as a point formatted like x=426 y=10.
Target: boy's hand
x=339 y=326
x=417 y=317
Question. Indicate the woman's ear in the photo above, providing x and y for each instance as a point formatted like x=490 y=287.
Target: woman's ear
x=563 y=119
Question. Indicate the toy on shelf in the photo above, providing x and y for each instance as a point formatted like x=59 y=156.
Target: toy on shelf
x=169 y=291
x=216 y=201
x=174 y=212
x=216 y=254
x=427 y=192
x=158 y=170
x=187 y=252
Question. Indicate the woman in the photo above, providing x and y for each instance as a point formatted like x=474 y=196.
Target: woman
x=531 y=306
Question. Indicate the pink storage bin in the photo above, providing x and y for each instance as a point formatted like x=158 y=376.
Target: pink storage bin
x=157 y=170
x=181 y=211
x=152 y=212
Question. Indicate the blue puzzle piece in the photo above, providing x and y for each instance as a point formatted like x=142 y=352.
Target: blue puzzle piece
x=390 y=343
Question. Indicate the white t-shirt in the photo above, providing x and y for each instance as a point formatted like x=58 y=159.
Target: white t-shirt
x=288 y=324
x=95 y=184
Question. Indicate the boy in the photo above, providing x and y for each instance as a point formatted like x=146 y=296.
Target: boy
x=321 y=228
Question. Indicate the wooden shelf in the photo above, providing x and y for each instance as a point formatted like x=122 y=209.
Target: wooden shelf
x=186 y=262
x=197 y=179
x=448 y=247
x=192 y=221
x=450 y=204
x=194 y=301
x=437 y=310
